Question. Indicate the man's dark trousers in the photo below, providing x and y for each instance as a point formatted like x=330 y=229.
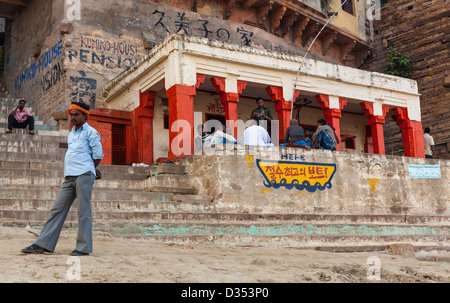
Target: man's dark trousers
x=79 y=187
x=12 y=123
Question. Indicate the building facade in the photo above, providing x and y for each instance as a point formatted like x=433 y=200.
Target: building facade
x=145 y=64
x=421 y=30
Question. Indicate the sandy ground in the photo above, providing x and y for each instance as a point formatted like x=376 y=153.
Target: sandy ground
x=126 y=260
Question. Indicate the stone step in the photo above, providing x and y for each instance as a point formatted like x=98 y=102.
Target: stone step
x=13 y=142
x=23 y=136
x=59 y=173
x=192 y=198
x=32 y=157
x=208 y=214
x=168 y=180
x=167 y=168
x=4 y=122
x=20 y=181
x=32 y=165
x=33 y=150
x=111 y=194
x=175 y=190
x=37 y=127
x=5 y=109
x=39 y=130
x=11 y=102
x=322 y=243
x=108 y=205
x=163 y=223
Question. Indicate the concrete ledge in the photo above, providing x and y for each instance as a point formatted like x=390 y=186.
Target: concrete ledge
x=361 y=184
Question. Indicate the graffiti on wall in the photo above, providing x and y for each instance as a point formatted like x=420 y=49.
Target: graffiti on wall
x=104 y=53
x=83 y=88
x=299 y=175
x=215 y=107
x=48 y=59
x=51 y=77
x=181 y=24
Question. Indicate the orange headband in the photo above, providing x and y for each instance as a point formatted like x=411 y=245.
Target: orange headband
x=74 y=106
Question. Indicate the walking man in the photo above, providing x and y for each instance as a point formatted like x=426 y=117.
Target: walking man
x=82 y=157
x=20 y=117
x=429 y=144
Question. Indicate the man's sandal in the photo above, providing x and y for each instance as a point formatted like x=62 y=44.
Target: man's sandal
x=35 y=249
x=78 y=253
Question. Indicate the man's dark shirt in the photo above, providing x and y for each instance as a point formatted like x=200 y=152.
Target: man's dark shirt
x=265 y=111
x=294 y=133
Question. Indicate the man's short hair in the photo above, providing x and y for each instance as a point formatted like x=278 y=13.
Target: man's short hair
x=259 y=98
x=252 y=122
x=82 y=105
x=427 y=130
x=294 y=122
x=22 y=101
x=322 y=121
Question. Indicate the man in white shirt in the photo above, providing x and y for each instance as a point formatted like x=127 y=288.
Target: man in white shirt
x=256 y=135
x=429 y=144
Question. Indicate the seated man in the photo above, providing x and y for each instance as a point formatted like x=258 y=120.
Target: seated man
x=295 y=134
x=199 y=141
x=309 y=132
x=20 y=117
x=324 y=137
x=256 y=135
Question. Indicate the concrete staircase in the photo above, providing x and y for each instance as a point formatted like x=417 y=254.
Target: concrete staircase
x=8 y=104
x=159 y=203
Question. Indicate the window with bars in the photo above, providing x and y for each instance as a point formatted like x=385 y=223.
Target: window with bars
x=119 y=156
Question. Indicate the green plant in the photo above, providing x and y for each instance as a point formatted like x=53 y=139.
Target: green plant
x=398 y=64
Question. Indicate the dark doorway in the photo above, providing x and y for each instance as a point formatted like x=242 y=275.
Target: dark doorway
x=119 y=155
x=211 y=127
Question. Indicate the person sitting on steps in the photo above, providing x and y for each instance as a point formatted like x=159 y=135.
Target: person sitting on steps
x=20 y=117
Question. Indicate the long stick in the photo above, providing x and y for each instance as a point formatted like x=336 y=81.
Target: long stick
x=307 y=52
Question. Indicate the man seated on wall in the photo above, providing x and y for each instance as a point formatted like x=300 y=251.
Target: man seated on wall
x=295 y=134
x=200 y=140
x=324 y=137
x=256 y=135
x=309 y=132
x=214 y=137
x=21 y=117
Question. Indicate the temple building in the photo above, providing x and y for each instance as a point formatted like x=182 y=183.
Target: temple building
x=144 y=66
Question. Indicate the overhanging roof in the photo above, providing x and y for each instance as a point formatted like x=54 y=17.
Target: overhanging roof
x=178 y=59
x=8 y=8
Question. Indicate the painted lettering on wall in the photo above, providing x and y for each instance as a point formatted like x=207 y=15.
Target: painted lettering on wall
x=40 y=66
x=51 y=77
x=292 y=157
x=117 y=48
x=106 y=53
x=215 y=107
x=199 y=27
x=299 y=175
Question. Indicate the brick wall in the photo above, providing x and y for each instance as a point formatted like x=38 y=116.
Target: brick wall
x=420 y=29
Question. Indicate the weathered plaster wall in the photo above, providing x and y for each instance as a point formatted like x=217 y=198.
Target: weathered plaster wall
x=361 y=184
x=33 y=66
x=420 y=30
